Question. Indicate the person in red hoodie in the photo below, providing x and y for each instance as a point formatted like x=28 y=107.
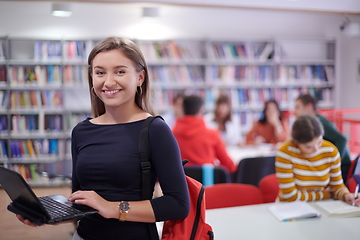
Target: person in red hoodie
x=197 y=143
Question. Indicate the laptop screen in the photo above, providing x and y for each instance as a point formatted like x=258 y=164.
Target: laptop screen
x=19 y=191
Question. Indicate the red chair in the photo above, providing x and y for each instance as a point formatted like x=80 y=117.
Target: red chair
x=223 y=195
x=353 y=181
x=269 y=186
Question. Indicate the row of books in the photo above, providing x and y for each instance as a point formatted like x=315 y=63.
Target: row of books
x=35 y=99
x=27 y=171
x=34 y=148
x=30 y=123
x=246 y=50
x=56 y=50
x=176 y=74
x=75 y=75
x=51 y=75
x=169 y=50
x=24 y=123
x=246 y=99
x=36 y=75
x=255 y=98
x=267 y=73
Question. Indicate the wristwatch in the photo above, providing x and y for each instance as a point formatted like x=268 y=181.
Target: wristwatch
x=124 y=208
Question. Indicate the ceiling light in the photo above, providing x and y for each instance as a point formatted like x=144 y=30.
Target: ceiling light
x=61 y=10
x=150 y=12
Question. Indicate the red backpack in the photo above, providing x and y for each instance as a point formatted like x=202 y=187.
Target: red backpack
x=193 y=227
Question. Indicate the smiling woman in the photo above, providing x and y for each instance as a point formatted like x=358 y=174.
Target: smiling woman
x=106 y=161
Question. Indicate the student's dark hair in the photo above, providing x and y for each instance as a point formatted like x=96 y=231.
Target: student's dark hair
x=263 y=119
x=223 y=99
x=192 y=104
x=306 y=128
x=306 y=99
x=131 y=51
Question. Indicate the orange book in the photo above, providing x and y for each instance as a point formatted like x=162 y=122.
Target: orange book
x=22 y=170
x=30 y=148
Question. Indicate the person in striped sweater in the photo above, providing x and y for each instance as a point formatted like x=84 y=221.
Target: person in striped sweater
x=308 y=167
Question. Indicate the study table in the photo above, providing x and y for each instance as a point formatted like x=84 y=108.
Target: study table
x=255 y=222
x=238 y=153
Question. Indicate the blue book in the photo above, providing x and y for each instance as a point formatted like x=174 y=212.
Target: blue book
x=4 y=148
x=53 y=146
x=31 y=123
x=50 y=74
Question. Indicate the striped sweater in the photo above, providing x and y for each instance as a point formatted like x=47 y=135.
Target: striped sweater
x=304 y=177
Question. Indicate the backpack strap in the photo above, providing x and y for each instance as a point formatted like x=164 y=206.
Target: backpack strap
x=144 y=153
x=198 y=212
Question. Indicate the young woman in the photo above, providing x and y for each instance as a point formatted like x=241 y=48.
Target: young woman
x=270 y=128
x=106 y=162
x=224 y=121
x=308 y=167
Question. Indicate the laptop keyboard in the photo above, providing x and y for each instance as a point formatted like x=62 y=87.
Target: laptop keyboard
x=57 y=209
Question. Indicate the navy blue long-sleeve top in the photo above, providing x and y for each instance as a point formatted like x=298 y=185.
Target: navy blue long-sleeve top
x=106 y=160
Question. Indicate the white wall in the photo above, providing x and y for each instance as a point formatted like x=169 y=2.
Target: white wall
x=93 y=20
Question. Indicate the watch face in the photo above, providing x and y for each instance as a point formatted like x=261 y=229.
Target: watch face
x=124 y=206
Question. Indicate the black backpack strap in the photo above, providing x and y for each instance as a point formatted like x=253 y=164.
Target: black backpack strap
x=144 y=152
x=198 y=212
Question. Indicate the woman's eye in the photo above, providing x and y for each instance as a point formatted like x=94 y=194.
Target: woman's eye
x=121 y=72
x=99 y=73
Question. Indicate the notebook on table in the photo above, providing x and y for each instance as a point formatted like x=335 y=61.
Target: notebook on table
x=290 y=211
x=43 y=210
x=338 y=208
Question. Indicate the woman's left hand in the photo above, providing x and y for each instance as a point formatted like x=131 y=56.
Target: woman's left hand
x=92 y=199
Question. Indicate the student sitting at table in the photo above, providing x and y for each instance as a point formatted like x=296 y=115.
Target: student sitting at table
x=199 y=144
x=306 y=104
x=308 y=167
x=223 y=120
x=270 y=128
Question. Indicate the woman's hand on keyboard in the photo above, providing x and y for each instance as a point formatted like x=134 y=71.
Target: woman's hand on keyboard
x=92 y=199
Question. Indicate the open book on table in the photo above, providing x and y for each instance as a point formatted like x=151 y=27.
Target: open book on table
x=289 y=211
x=338 y=208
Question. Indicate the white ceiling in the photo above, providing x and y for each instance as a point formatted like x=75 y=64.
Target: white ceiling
x=178 y=19
x=349 y=6
x=335 y=6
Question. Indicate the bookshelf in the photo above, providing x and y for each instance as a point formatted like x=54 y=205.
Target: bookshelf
x=248 y=71
x=35 y=119
x=43 y=86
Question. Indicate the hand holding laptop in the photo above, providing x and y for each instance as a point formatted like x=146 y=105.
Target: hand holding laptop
x=32 y=210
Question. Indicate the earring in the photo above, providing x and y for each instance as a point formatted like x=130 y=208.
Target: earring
x=93 y=93
x=140 y=92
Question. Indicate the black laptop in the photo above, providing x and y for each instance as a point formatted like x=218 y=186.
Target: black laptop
x=48 y=209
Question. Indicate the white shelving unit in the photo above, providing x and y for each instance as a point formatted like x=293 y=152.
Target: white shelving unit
x=44 y=92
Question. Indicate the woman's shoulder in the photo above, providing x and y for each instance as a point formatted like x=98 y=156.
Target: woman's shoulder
x=287 y=146
x=329 y=147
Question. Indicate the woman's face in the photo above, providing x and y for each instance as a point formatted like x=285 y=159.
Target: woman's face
x=223 y=110
x=271 y=110
x=311 y=147
x=115 y=78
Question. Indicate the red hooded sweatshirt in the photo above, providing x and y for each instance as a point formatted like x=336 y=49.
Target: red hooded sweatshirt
x=199 y=144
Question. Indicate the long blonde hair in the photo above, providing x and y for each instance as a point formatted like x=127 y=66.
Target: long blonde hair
x=131 y=51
